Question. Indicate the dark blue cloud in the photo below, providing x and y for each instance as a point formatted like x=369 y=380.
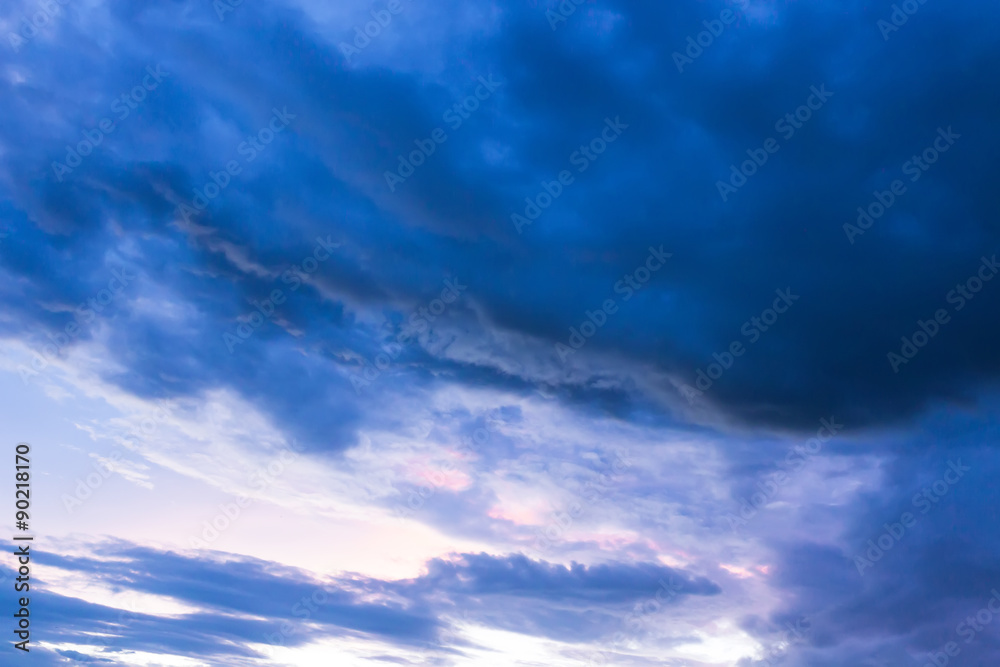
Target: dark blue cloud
x=324 y=176
x=240 y=601
x=655 y=185
x=243 y=600
x=518 y=576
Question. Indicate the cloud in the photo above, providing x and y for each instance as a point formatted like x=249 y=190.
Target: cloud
x=119 y=207
x=492 y=354
x=518 y=576
x=235 y=603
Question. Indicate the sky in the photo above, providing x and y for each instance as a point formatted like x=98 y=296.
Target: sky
x=502 y=334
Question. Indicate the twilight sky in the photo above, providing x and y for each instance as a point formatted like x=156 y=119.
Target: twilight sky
x=503 y=334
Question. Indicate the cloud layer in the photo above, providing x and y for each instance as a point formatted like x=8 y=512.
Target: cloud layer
x=509 y=316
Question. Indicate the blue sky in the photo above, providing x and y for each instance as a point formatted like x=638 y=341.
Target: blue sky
x=609 y=333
